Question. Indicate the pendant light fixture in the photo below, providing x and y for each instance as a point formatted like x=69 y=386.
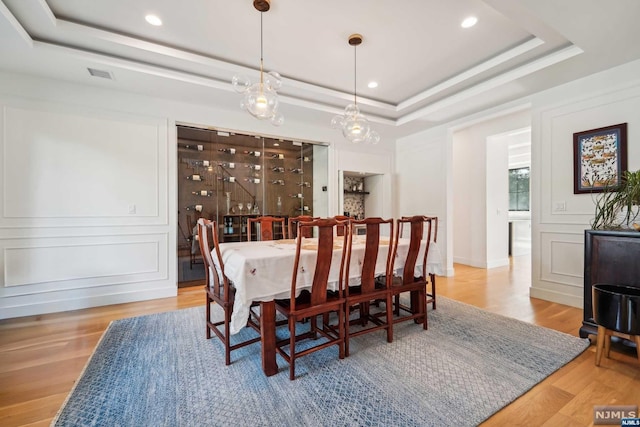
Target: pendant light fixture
x=355 y=126
x=261 y=98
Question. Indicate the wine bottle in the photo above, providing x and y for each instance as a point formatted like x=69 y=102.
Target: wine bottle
x=228 y=165
x=197 y=208
x=192 y=147
x=278 y=182
x=227 y=150
x=254 y=167
x=297 y=196
x=194 y=177
x=297 y=170
x=279 y=156
x=278 y=169
x=253 y=180
x=203 y=193
x=304 y=158
x=305 y=184
x=228 y=179
x=253 y=153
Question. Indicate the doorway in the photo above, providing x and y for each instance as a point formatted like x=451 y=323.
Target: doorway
x=482 y=156
x=361 y=194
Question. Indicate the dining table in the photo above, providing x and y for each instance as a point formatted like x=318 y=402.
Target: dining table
x=262 y=271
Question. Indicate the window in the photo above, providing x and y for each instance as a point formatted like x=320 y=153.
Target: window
x=519 y=189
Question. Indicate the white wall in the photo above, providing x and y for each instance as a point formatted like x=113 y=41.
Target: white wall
x=600 y=100
x=469 y=199
x=423 y=181
x=603 y=99
x=497 y=196
x=88 y=191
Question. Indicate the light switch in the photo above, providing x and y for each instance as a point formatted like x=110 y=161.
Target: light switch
x=132 y=209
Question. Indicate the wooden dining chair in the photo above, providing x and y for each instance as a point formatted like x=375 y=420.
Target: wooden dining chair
x=317 y=302
x=193 y=238
x=293 y=225
x=218 y=290
x=341 y=230
x=370 y=290
x=408 y=281
x=266 y=228
x=431 y=293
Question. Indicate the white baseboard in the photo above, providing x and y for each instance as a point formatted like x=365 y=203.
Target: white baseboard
x=558 y=297
x=497 y=263
x=9 y=312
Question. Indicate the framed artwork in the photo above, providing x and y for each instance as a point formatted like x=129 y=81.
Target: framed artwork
x=600 y=157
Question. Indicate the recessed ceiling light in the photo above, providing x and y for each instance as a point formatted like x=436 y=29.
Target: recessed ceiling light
x=153 y=20
x=372 y=85
x=275 y=144
x=469 y=22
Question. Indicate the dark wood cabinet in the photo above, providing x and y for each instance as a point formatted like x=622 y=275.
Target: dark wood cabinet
x=609 y=257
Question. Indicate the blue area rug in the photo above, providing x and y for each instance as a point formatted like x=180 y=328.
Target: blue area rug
x=159 y=370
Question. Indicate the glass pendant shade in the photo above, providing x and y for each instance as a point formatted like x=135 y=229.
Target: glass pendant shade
x=354 y=125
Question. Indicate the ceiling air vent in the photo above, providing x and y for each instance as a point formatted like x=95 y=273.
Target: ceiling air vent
x=100 y=73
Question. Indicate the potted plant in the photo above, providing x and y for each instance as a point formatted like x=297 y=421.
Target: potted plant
x=617 y=208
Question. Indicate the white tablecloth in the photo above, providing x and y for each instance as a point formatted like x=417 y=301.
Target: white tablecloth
x=262 y=271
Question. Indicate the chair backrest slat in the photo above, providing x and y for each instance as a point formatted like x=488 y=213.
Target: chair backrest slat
x=208 y=240
x=293 y=225
x=341 y=230
x=373 y=228
x=325 y=229
x=417 y=235
x=267 y=227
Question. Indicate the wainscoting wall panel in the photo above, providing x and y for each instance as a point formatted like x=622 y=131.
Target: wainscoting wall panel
x=562 y=216
x=563 y=262
x=66 y=263
x=84 y=207
x=68 y=168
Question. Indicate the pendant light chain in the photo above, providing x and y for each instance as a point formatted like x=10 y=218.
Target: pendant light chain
x=354 y=125
x=261 y=53
x=355 y=73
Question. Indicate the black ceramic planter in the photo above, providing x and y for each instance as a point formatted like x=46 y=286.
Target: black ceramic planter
x=617 y=308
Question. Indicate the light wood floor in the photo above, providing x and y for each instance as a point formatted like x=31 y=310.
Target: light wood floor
x=42 y=356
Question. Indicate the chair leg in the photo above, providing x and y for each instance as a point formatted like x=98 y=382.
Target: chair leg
x=433 y=289
x=423 y=307
x=389 y=307
x=227 y=344
x=208 y=310
x=602 y=331
x=292 y=348
x=341 y=336
x=637 y=340
x=346 y=329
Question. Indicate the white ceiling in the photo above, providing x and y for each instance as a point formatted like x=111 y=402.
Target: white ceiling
x=429 y=69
